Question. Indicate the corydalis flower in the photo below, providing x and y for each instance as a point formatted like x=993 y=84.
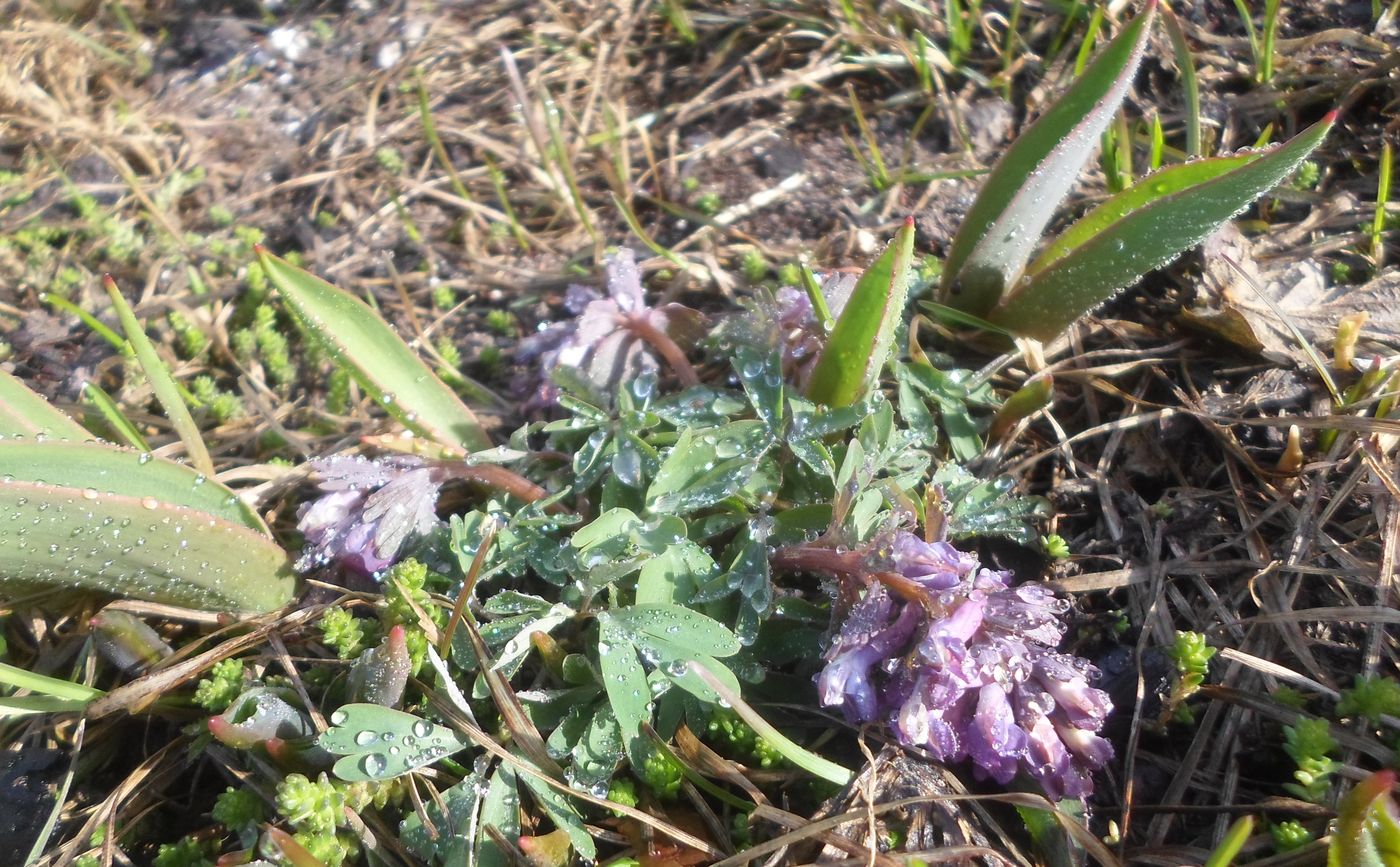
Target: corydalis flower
x=801 y=335
x=367 y=510
x=962 y=664
x=614 y=338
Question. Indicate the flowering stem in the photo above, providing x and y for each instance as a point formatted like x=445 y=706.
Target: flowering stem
x=810 y=558
x=662 y=343
x=501 y=479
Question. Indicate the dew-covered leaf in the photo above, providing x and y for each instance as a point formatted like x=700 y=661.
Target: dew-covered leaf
x=860 y=342
x=706 y=466
x=1165 y=182
x=25 y=414
x=760 y=370
x=381 y=362
x=107 y=469
x=1030 y=180
x=136 y=546
x=624 y=680
x=675 y=573
x=598 y=751
x=974 y=507
x=563 y=814
x=678 y=625
x=1045 y=303
x=377 y=743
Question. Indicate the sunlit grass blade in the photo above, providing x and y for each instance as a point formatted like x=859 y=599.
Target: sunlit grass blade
x=382 y=363
x=162 y=383
x=1045 y=303
x=1186 y=68
x=1163 y=183
x=25 y=414
x=1382 y=199
x=1021 y=193
x=859 y=344
x=114 y=417
x=55 y=688
x=140 y=548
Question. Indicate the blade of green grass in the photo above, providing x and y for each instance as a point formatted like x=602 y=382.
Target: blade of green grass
x=114 y=417
x=162 y=383
x=383 y=364
x=1191 y=90
x=43 y=685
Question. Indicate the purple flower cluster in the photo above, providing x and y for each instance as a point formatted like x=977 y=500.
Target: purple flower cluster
x=367 y=510
x=969 y=670
x=611 y=338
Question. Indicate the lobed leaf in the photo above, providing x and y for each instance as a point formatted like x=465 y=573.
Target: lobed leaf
x=678 y=625
x=859 y=343
x=381 y=362
x=25 y=414
x=1031 y=179
x=140 y=547
x=1044 y=304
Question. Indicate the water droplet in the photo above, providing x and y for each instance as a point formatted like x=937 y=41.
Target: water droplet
x=373 y=764
x=365 y=738
x=422 y=728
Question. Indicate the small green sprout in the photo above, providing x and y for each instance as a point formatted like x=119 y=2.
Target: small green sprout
x=314 y=807
x=237 y=809
x=501 y=321
x=754 y=266
x=338 y=391
x=1055 y=546
x=1289 y=697
x=224 y=684
x=191 y=340
x=326 y=220
x=189 y=852
x=1371 y=698
x=343 y=632
x=1305 y=177
x=790 y=274
x=1289 y=836
x=390 y=160
x=623 y=791
x=1192 y=657
x=709 y=204
x=661 y=774
x=220 y=216
x=1308 y=742
x=443 y=296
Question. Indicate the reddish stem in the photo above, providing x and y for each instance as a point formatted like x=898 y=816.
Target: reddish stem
x=501 y=479
x=662 y=343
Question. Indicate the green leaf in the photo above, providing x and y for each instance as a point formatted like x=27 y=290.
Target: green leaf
x=25 y=414
x=162 y=383
x=1020 y=195
x=500 y=809
x=860 y=342
x=1047 y=302
x=379 y=743
x=1367 y=832
x=678 y=625
x=675 y=574
x=1158 y=185
x=1235 y=838
x=43 y=685
x=99 y=469
x=973 y=507
x=625 y=682
x=562 y=813
x=138 y=547
x=706 y=466
x=113 y=415
x=382 y=363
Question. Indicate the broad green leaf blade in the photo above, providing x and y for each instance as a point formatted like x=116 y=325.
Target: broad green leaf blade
x=379 y=743
x=707 y=465
x=381 y=362
x=137 y=547
x=859 y=344
x=1031 y=179
x=25 y=414
x=678 y=625
x=1147 y=238
x=97 y=469
x=1156 y=186
x=563 y=814
x=162 y=383
x=33 y=705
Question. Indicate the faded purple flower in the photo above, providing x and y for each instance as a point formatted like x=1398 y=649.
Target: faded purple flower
x=971 y=672
x=800 y=334
x=612 y=338
x=367 y=511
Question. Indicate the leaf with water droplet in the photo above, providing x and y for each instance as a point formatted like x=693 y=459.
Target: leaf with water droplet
x=379 y=360
x=24 y=413
x=625 y=682
x=138 y=547
x=706 y=466
x=420 y=742
x=677 y=625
